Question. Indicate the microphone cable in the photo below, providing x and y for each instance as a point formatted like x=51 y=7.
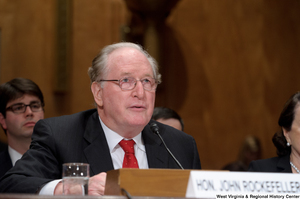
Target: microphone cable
x=126 y=193
x=154 y=128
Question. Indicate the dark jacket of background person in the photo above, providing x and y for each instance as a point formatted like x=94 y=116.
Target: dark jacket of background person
x=6 y=163
x=283 y=146
x=3 y=146
x=275 y=164
x=80 y=138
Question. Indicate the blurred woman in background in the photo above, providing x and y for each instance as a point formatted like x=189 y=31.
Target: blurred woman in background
x=287 y=141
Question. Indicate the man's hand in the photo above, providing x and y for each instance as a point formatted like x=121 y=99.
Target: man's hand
x=59 y=189
x=97 y=184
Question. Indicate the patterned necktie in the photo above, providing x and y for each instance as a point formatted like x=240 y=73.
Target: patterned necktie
x=130 y=160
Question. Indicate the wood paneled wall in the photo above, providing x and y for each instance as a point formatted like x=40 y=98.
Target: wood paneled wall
x=228 y=67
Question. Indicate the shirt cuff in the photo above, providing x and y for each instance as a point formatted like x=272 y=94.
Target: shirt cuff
x=48 y=189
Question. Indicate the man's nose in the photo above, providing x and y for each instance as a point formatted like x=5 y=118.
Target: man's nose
x=139 y=89
x=28 y=110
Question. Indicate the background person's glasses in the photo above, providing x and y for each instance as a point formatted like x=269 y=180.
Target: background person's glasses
x=129 y=83
x=21 y=107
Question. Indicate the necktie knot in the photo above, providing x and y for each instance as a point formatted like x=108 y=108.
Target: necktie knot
x=127 y=146
x=130 y=160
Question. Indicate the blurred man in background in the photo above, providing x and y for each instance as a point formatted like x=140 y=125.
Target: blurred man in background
x=168 y=116
x=21 y=106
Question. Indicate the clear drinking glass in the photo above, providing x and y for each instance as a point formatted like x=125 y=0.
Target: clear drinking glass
x=75 y=178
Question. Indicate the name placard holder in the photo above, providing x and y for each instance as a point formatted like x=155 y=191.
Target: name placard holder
x=220 y=184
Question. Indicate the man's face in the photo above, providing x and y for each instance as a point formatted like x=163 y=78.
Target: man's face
x=126 y=112
x=20 y=125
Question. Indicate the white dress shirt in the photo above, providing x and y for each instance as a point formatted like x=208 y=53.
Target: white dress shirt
x=116 y=152
x=14 y=155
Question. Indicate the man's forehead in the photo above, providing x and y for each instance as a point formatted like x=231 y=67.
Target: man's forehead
x=128 y=56
x=24 y=98
x=125 y=54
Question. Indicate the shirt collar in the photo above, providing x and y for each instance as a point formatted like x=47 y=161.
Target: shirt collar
x=114 y=138
x=14 y=155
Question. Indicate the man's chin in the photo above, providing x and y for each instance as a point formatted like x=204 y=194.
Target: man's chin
x=137 y=124
x=139 y=121
x=28 y=131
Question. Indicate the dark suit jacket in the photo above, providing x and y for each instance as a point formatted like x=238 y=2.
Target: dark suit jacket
x=275 y=164
x=5 y=162
x=3 y=146
x=80 y=138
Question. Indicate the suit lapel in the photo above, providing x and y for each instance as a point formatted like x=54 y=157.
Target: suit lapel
x=97 y=151
x=157 y=155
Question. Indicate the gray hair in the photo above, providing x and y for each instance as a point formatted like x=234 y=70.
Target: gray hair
x=99 y=67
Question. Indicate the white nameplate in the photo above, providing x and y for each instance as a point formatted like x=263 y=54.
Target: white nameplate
x=223 y=184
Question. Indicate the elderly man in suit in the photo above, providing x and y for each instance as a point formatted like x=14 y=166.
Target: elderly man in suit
x=124 y=78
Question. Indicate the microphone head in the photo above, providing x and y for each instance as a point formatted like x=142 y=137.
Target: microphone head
x=154 y=127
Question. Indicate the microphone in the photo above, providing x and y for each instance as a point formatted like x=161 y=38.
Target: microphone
x=154 y=129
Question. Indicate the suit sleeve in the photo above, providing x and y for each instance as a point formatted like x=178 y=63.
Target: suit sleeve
x=37 y=166
x=197 y=163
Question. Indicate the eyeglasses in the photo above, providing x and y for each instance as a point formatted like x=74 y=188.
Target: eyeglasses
x=21 y=107
x=129 y=83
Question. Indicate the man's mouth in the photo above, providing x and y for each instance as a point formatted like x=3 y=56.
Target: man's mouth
x=137 y=107
x=29 y=124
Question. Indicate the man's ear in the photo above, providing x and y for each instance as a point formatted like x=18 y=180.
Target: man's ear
x=97 y=93
x=286 y=135
x=3 y=121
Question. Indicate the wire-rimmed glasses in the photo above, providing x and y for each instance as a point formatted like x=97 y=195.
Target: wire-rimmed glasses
x=129 y=83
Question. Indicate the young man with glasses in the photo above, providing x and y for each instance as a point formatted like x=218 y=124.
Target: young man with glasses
x=124 y=78
x=21 y=106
